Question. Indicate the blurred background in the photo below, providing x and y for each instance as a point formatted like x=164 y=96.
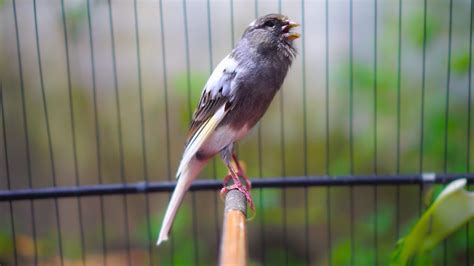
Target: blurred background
x=103 y=91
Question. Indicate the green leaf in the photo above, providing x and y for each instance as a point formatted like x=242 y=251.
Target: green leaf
x=453 y=208
x=461 y=63
x=416 y=30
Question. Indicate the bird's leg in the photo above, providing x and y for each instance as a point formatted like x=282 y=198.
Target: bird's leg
x=237 y=184
x=235 y=181
x=240 y=172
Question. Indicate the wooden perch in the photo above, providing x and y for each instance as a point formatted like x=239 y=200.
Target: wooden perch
x=233 y=245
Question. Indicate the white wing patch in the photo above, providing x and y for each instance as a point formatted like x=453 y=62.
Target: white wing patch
x=218 y=81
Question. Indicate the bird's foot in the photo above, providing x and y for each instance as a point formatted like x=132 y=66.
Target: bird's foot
x=237 y=184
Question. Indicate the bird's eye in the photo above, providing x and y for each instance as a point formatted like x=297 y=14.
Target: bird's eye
x=269 y=24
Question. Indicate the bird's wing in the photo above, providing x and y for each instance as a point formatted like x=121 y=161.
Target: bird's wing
x=216 y=100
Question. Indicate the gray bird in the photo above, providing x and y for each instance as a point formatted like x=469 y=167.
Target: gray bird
x=235 y=97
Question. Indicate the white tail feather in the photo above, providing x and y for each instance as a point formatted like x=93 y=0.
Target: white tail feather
x=189 y=169
x=189 y=173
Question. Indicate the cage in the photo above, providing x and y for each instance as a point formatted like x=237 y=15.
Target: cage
x=374 y=115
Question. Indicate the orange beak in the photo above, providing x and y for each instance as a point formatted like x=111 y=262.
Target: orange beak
x=290 y=35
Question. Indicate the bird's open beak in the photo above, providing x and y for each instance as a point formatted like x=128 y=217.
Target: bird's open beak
x=286 y=29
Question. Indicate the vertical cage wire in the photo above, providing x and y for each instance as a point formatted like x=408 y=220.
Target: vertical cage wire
x=468 y=153
x=26 y=137
x=188 y=83
x=375 y=197
x=211 y=68
x=327 y=168
x=48 y=130
x=119 y=129
x=7 y=170
x=73 y=131
x=142 y=129
x=446 y=131
x=97 y=133
x=165 y=86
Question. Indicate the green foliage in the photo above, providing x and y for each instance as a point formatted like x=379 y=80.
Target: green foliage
x=342 y=253
x=461 y=63
x=384 y=218
x=365 y=251
x=6 y=247
x=453 y=207
x=416 y=30
x=76 y=17
x=190 y=86
x=142 y=231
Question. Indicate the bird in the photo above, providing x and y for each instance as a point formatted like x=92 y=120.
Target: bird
x=233 y=100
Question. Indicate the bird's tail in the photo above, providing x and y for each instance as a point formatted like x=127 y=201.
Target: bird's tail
x=189 y=173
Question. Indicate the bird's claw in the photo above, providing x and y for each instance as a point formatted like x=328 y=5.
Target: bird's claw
x=237 y=184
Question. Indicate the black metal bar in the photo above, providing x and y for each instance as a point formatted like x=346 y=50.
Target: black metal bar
x=212 y=184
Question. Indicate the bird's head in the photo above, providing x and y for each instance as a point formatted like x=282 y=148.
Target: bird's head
x=272 y=30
